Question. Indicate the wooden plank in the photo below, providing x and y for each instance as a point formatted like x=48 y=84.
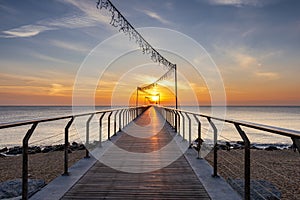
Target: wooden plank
x=171 y=182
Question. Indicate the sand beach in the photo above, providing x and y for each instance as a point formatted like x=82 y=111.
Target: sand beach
x=279 y=167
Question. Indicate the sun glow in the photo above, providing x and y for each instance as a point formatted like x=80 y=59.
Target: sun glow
x=154 y=98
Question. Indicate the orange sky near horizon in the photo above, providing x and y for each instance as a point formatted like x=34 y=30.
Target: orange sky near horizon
x=256 y=54
x=263 y=92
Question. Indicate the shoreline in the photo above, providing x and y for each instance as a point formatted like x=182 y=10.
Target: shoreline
x=74 y=146
x=17 y=150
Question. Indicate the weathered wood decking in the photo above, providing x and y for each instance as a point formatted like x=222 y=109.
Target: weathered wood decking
x=174 y=181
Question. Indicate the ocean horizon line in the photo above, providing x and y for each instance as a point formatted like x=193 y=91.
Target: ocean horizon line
x=150 y=104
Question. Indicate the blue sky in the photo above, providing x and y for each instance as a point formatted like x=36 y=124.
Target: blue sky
x=253 y=42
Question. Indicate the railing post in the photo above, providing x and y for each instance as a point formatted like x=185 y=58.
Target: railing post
x=115 y=122
x=178 y=122
x=247 y=166
x=66 y=173
x=199 y=143
x=215 y=173
x=128 y=116
x=108 y=126
x=167 y=114
x=88 y=136
x=183 y=124
x=100 y=129
x=120 y=120
x=199 y=140
x=296 y=143
x=25 y=161
x=169 y=117
x=124 y=118
x=173 y=121
x=190 y=129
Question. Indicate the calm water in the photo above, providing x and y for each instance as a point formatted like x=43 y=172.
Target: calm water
x=52 y=132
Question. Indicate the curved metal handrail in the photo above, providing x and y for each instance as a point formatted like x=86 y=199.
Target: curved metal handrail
x=293 y=134
x=262 y=127
x=34 y=124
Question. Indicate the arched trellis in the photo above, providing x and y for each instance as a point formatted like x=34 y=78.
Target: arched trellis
x=119 y=21
x=147 y=93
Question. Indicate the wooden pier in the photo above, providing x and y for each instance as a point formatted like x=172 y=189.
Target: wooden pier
x=175 y=181
x=146 y=160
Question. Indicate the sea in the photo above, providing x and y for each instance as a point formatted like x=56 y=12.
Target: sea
x=51 y=133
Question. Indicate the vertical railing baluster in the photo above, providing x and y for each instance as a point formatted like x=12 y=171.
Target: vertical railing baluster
x=183 y=125
x=166 y=112
x=129 y=115
x=178 y=122
x=190 y=128
x=215 y=173
x=124 y=118
x=66 y=149
x=173 y=121
x=100 y=129
x=108 y=126
x=87 y=141
x=199 y=143
x=115 y=122
x=25 y=161
x=247 y=166
x=120 y=120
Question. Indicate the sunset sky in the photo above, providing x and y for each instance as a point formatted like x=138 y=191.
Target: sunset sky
x=254 y=43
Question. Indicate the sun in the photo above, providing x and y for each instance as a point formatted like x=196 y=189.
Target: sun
x=154 y=98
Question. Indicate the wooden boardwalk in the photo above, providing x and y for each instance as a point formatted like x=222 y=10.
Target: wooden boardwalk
x=174 y=181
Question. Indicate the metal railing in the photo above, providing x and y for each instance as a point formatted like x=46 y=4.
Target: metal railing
x=125 y=116
x=171 y=114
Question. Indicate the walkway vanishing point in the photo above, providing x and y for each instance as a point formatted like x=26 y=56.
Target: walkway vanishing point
x=185 y=178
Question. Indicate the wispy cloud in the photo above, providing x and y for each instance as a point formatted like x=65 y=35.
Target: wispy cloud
x=25 y=31
x=89 y=16
x=44 y=85
x=156 y=16
x=268 y=75
x=240 y=3
x=69 y=46
x=245 y=60
x=49 y=58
